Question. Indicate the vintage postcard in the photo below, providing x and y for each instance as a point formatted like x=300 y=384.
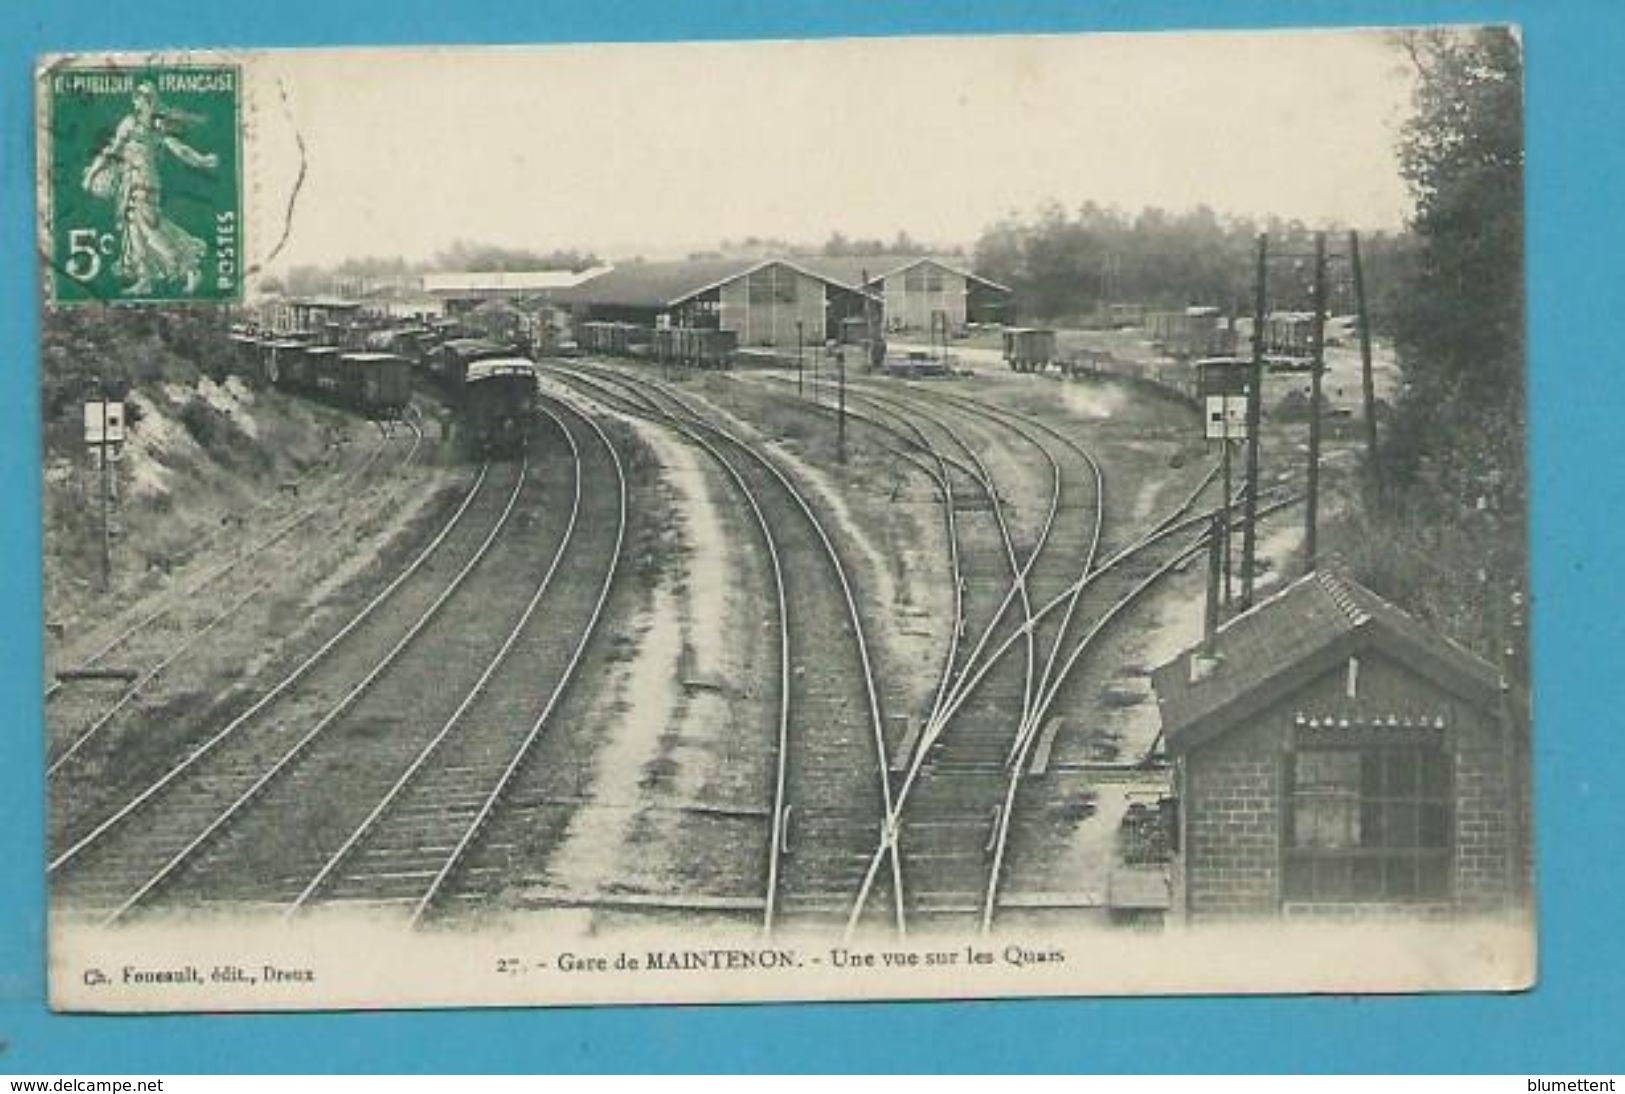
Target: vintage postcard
x=848 y=519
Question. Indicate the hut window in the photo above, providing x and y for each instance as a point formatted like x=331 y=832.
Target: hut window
x=1368 y=824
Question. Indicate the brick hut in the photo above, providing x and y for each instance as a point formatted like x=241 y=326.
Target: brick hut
x=1332 y=756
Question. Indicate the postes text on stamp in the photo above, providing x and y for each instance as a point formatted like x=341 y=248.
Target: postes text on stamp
x=143 y=187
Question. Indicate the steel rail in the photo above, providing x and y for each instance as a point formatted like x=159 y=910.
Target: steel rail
x=857 y=629
x=1018 y=586
x=801 y=503
x=1190 y=550
x=1116 y=560
x=136 y=687
x=157 y=669
x=455 y=718
x=279 y=533
x=1162 y=531
x=283 y=763
x=488 y=808
x=942 y=715
x=1090 y=554
x=776 y=835
x=782 y=736
x=270 y=696
x=943 y=480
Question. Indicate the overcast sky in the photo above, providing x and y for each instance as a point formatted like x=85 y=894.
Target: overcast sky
x=661 y=149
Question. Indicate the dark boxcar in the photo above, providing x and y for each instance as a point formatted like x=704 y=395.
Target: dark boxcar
x=704 y=348
x=379 y=385
x=668 y=345
x=413 y=344
x=452 y=358
x=1289 y=334
x=1194 y=332
x=283 y=362
x=499 y=404
x=618 y=339
x=1029 y=349
x=321 y=373
x=637 y=341
x=245 y=357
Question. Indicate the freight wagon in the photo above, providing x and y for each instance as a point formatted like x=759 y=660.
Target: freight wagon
x=449 y=361
x=499 y=404
x=1194 y=332
x=318 y=373
x=1029 y=349
x=279 y=357
x=608 y=339
x=1289 y=333
x=378 y=385
x=695 y=347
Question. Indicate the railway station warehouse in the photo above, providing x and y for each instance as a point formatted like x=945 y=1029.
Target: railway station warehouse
x=763 y=300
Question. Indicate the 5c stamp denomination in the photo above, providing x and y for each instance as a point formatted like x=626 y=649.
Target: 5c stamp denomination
x=143 y=188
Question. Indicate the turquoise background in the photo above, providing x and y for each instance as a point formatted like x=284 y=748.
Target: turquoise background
x=1571 y=1023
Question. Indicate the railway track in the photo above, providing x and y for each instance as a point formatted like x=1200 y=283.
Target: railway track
x=831 y=787
x=1039 y=812
x=277 y=533
x=961 y=877
x=214 y=617
x=949 y=801
x=108 y=864
x=1046 y=822
x=412 y=851
x=947 y=832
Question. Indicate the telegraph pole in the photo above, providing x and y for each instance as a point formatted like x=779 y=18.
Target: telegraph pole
x=1367 y=381
x=868 y=320
x=1210 y=613
x=818 y=378
x=1317 y=368
x=800 y=349
x=1255 y=397
x=840 y=414
x=1224 y=502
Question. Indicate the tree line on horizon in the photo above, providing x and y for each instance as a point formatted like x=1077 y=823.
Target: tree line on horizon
x=1067 y=267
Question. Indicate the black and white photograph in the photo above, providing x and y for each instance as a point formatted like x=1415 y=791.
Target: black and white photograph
x=933 y=517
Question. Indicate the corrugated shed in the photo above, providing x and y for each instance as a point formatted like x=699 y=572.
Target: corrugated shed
x=507 y=281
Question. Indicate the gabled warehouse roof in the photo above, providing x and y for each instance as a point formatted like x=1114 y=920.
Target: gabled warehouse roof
x=851 y=269
x=665 y=284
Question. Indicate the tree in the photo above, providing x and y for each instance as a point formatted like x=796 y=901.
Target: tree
x=1460 y=327
x=469 y=255
x=1451 y=538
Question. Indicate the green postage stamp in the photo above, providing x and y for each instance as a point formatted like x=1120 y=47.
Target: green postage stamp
x=143 y=182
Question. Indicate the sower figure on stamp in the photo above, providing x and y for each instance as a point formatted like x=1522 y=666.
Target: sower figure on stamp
x=154 y=249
